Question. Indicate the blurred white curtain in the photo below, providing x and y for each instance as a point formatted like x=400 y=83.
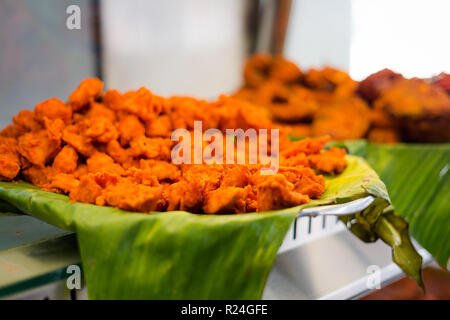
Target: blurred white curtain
x=194 y=47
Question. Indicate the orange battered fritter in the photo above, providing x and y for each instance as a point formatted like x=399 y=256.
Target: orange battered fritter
x=114 y=149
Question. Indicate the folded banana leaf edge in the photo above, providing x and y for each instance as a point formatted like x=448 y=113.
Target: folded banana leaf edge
x=179 y=255
x=417 y=177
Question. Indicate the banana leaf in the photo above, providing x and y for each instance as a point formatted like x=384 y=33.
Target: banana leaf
x=179 y=255
x=418 y=179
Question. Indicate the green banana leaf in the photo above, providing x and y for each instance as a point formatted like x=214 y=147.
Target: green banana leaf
x=179 y=255
x=418 y=179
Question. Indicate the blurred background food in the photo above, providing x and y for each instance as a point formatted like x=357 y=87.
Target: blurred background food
x=385 y=107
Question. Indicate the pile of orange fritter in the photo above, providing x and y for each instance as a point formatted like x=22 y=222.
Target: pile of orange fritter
x=114 y=149
x=384 y=108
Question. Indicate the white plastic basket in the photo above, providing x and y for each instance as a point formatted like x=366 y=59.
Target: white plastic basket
x=306 y=229
x=317 y=222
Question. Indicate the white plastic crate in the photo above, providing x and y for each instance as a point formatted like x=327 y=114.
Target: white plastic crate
x=317 y=222
x=306 y=229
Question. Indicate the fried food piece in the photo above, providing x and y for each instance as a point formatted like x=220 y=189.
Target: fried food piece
x=342 y=120
x=235 y=176
x=101 y=162
x=53 y=109
x=330 y=161
x=26 y=120
x=113 y=99
x=251 y=200
x=305 y=146
x=87 y=191
x=284 y=70
x=151 y=148
x=81 y=170
x=9 y=166
x=37 y=175
x=310 y=184
x=289 y=104
x=101 y=130
x=162 y=170
x=12 y=131
x=119 y=154
x=442 y=80
x=133 y=197
x=9 y=159
x=298 y=160
x=208 y=176
x=172 y=195
x=39 y=147
x=63 y=182
x=183 y=111
x=381 y=119
x=370 y=88
x=66 y=160
x=139 y=176
x=304 y=179
x=422 y=110
x=247 y=94
x=160 y=127
x=234 y=114
x=384 y=135
x=87 y=91
x=104 y=179
x=130 y=127
x=276 y=192
x=8 y=145
x=184 y=195
x=427 y=130
x=74 y=135
x=261 y=67
x=257 y=70
x=141 y=103
x=331 y=80
x=98 y=110
x=413 y=98
x=225 y=200
x=54 y=128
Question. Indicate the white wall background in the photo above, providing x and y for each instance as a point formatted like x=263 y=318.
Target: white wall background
x=319 y=33
x=364 y=36
x=193 y=47
x=39 y=57
x=409 y=36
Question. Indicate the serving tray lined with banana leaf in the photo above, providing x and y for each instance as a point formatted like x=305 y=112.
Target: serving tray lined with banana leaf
x=179 y=255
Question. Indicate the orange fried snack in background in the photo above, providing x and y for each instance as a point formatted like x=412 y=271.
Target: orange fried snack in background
x=384 y=107
x=114 y=149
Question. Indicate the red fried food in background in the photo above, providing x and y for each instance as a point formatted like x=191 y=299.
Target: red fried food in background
x=422 y=110
x=371 y=87
x=442 y=80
